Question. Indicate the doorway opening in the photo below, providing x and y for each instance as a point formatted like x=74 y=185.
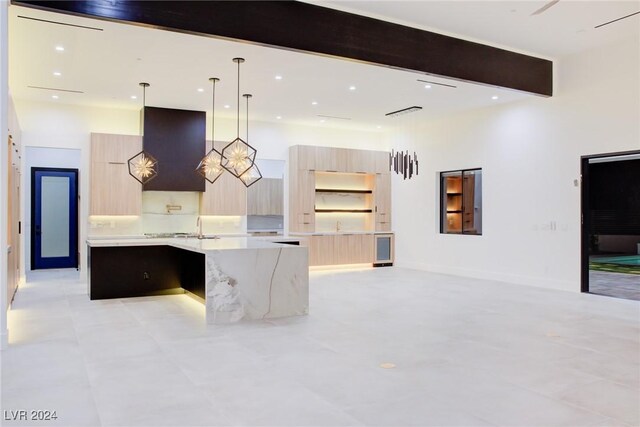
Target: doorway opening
x=611 y=224
x=54 y=215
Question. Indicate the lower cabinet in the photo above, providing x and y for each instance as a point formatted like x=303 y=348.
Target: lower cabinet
x=341 y=249
x=136 y=271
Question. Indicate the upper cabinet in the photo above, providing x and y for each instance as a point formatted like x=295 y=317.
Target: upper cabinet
x=330 y=159
x=382 y=196
x=113 y=190
x=265 y=197
x=226 y=196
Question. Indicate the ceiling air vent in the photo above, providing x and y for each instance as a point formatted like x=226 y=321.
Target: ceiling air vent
x=54 y=88
x=334 y=117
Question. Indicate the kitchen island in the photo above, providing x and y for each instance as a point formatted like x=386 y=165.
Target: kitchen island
x=237 y=278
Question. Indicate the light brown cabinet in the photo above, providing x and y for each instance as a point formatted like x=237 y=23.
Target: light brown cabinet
x=226 y=196
x=361 y=161
x=13 y=219
x=382 y=196
x=302 y=193
x=321 y=250
x=113 y=190
x=381 y=162
x=265 y=197
x=341 y=249
x=303 y=157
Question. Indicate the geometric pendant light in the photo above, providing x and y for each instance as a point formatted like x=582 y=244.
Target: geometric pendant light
x=143 y=166
x=251 y=175
x=238 y=156
x=210 y=167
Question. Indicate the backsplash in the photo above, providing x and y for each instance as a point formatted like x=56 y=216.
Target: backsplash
x=169 y=211
x=166 y=212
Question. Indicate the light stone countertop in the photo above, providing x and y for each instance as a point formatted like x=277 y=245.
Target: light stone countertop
x=197 y=245
x=336 y=233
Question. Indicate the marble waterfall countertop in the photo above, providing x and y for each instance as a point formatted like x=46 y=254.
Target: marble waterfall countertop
x=195 y=244
x=245 y=277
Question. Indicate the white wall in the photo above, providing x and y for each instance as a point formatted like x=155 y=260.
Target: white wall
x=530 y=155
x=4 y=177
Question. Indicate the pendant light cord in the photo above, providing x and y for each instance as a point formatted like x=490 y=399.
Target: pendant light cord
x=248 y=118
x=238 y=110
x=213 y=114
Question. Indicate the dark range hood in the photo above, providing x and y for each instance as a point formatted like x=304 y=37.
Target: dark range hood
x=177 y=139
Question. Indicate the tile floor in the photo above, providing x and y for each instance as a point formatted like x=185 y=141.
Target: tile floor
x=615 y=284
x=467 y=353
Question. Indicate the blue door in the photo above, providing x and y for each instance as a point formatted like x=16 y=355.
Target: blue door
x=54 y=218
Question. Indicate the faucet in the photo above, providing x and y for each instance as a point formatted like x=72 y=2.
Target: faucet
x=199 y=226
x=338 y=226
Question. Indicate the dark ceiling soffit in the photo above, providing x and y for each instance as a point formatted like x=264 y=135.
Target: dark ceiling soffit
x=315 y=29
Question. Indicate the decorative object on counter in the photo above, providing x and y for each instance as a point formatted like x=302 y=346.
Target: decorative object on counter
x=251 y=175
x=210 y=167
x=238 y=157
x=402 y=163
x=143 y=166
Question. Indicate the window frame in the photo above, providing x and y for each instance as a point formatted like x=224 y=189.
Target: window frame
x=443 y=203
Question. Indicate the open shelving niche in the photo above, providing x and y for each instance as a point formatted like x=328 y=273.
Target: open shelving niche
x=453 y=189
x=346 y=198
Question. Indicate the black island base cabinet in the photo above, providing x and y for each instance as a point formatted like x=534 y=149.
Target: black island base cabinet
x=137 y=271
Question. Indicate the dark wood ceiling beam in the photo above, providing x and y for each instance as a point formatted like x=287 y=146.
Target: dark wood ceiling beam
x=319 y=30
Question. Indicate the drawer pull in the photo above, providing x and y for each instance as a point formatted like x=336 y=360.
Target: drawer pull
x=117 y=163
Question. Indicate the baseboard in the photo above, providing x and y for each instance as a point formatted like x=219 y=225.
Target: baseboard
x=537 y=282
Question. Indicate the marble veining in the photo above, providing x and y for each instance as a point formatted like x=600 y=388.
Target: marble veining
x=256 y=283
x=222 y=297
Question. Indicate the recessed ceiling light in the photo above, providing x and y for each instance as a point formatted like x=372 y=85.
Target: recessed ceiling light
x=352 y=88
x=427 y=86
x=494 y=97
x=322 y=121
x=60 y=48
x=278 y=77
x=379 y=127
x=200 y=89
x=227 y=106
x=278 y=117
x=134 y=97
x=54 y=96
x=314 y=103
x=57 y=73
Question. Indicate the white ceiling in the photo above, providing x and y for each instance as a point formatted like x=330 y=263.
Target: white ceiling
x=564 y=28
x=107 y=66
